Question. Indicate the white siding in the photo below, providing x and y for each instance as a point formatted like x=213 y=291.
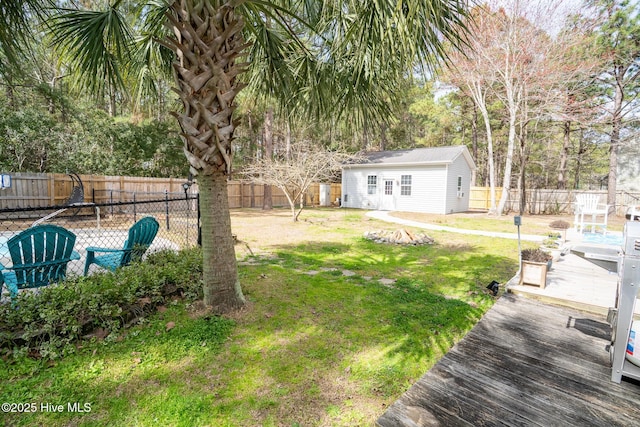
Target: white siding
x=458 y=167
x=428 y=189
x=354 y=189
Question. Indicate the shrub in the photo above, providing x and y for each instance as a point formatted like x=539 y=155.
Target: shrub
x=559 y=224
x=48 y=321
x=536 y=255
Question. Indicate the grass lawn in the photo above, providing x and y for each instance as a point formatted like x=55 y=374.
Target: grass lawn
x=336 y=328
x=531 y=224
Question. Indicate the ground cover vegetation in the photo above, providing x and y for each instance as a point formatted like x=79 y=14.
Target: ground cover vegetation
x=336 y=327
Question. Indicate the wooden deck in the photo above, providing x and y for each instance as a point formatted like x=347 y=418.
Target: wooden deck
x=525 y=363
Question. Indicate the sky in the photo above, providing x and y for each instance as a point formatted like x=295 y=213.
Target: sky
x=547 y=14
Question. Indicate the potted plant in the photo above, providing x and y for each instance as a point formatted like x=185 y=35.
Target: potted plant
x=560 y=225
x=535 y=265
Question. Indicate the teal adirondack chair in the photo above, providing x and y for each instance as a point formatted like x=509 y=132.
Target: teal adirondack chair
x=39 y=256
x=141 y=235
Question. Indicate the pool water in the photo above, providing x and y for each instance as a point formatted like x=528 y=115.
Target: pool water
x=613 y=239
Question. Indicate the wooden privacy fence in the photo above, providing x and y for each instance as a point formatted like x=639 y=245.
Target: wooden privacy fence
x=546 y=201
x=249 y=195
x=41 y=190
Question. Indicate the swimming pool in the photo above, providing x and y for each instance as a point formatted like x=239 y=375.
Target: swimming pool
x=611 y=238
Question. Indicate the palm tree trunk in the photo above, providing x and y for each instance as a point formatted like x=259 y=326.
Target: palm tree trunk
x=207 y=39
x=221 y=285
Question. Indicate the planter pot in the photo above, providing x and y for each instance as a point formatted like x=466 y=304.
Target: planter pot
x=534 y=273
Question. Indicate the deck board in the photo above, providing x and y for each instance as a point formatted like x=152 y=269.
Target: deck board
x=525 y=363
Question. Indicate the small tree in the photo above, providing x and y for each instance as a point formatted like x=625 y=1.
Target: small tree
x=294 y=174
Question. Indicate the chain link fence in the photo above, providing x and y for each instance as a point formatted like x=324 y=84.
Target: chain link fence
x=107 y=224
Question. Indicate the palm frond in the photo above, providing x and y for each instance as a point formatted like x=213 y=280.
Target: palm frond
x=98 y=44
x=18 y=18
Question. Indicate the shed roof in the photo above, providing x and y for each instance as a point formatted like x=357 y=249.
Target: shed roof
x=417 y=156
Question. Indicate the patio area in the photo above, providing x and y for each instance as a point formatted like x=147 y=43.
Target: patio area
x=574 y=281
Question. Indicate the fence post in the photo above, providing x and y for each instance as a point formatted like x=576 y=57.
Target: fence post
x=186 y=200
x=111 y=201
x=135 y=212
x=166 y=207
x=199 y=225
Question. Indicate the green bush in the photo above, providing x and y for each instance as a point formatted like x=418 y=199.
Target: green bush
x=48 y=321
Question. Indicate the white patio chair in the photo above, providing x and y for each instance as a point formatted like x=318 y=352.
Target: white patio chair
x=589 y=212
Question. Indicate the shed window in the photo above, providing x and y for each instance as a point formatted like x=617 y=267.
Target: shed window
x=459 y=193
x=372 y=184
x=405 y=185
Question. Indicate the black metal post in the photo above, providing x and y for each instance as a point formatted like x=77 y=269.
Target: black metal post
x=199 y=224
x=166 y=207
x=186 y=199
x=135 y=212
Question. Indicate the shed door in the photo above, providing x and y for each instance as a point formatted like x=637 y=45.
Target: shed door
x=387 y=196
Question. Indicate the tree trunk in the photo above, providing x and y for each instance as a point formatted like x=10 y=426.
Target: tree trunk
x=474 y=142
x=253 y=143
x=287 y=141
x=267 y=201
x=522 y=179
x=479 y=99
x=581 y=150
x=221 y=285
x=613 y=168
x=207 y=86
x=490 y=161
x=564 y=156
x=616 y=124
x=383 y=136
x=112 y=102
x=506 y=179
x=365 y=137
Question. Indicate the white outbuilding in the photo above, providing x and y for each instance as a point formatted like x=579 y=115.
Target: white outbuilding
x=429 y=180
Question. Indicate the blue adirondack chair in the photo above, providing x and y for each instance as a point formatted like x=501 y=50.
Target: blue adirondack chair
x=141 y=235
x=39 y=256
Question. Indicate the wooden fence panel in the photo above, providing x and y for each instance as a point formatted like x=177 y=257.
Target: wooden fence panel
x=480 y=197
x=41 y=190
x=548 y=201
x=27 y=190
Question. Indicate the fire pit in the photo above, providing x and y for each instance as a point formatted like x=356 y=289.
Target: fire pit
x=398 y=237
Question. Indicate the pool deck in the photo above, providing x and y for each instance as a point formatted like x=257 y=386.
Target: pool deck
x=573 y=281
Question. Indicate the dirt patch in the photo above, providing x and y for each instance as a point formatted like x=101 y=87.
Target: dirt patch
x=265 y=231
